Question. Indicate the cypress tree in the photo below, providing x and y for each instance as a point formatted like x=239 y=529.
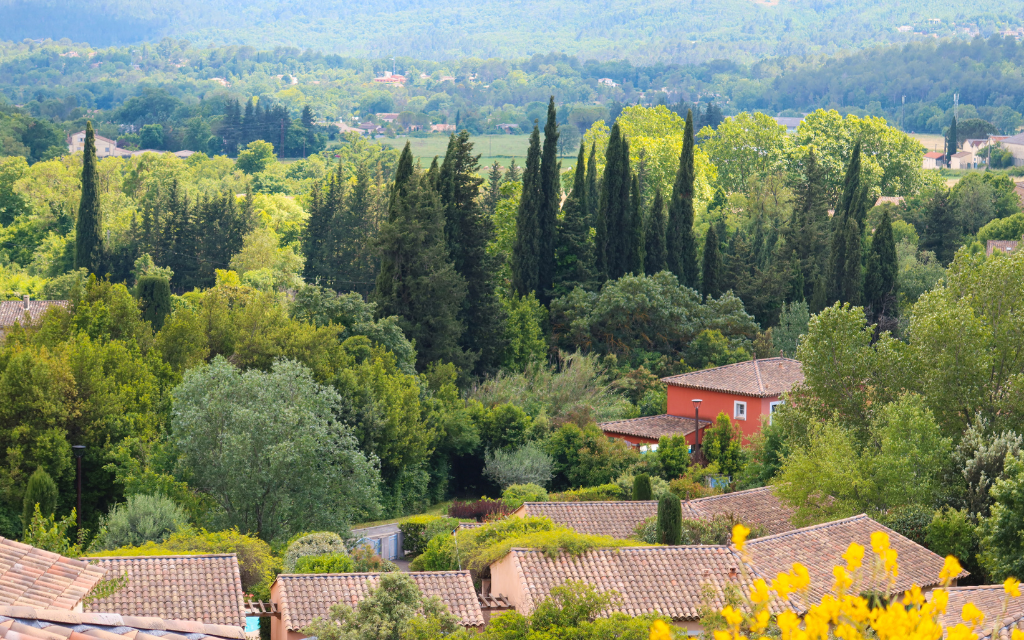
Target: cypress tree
x=89 y=226
x=419 y=284
x=390 y=274
x=493 y=189
x=614 y=211
x=852 y=283
x=654 y=237
x=547 y=216
x=880 y=279
x=154 y=295
x=941 y=229
x=851 y=187
x=526 y=247
x=679 y=240
x=951 y=140
x=848 y=209
x=635 y=258
x=574 y=248
x=41 y=490
x=808 y=230
x=468 y=231
x=642 y=487
x=593 y=195
x=670 y=520
x=711 y=279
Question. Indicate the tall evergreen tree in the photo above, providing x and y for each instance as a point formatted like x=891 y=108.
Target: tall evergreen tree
x=89 y=226
x=551 y=197
x=808 y=230
x=880 y=284
x=574 y=248
x=635 y=260
x=513 y=174
x=593 y=194
x=614 y=218
x=680 y=243
x=853 y=281
x=951 y=140
x=182 y=240
x=711 y=277
x=391 y=257
x=526 y=247
x=655 y=255
x=851 y=206
x=493 y=195
x=419 y=284
x=468 y=231
x=941 y=229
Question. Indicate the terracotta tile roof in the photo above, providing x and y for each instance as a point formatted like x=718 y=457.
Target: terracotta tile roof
x=820 y=548
x=616 y=519
x=1006 y=246
x=29 y=623
x=753 y=506
x=990 y=598
x=762 y=378
x=652 y=426
x=35 y=578
x=897 y=200
x=935 y=155
x=14 y=310
x=303 y=598
x=186 y=587
x=1005 y=632
x=648 y=579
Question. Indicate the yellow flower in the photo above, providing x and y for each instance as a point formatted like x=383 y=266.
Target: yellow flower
x=972 y=614
x=782 y=585
x=889 y=562
x=1012 y=587
x=660 y=631
x=950 y=569
x=732 y=617
x=1017 y=635
x=723 y=635
x=739 y=536
x=854 y=556
x=801 y=577
x=879 y=542
x=843 y=579
x=759 y=591
x=761 y=621
x=960 y=632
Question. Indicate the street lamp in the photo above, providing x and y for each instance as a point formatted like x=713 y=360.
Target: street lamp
x=79 y=451
x=696 y=422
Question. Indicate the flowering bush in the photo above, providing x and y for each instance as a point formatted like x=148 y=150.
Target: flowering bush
x=845 y=615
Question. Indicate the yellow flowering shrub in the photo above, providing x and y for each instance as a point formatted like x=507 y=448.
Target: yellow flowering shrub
x=844 y=614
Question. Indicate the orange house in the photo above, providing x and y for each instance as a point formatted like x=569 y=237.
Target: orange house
x=745 y=391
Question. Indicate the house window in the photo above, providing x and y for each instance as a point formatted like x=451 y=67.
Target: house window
x=772 y=406
x=739 y=410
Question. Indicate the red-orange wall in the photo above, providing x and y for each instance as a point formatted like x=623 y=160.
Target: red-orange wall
x=680 y=403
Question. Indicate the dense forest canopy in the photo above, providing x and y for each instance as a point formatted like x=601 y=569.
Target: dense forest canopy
x=664 y=30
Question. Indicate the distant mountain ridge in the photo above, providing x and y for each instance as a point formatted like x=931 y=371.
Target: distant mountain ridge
x=644 y=31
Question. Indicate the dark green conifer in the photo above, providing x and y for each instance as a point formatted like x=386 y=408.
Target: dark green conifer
x=89 y=227
x=513 y=174
x=642 y=487
x=679 y=240
x=635 y=257
x=670 y=520
x=711 y=277
x=851 y=207
x=941 y=229
x=593 y=195
x=526 y=247
x=808 y=231
x=494 y=180
x=655 y=255
x=851 y=187
x=574 y=248
x=154 y=294
x=41 y=490
x=551 y=197
x=951 y=141
x=880 y=284
x=795 y=292
x=853 y=281
x=390 y=274
x=614 y=216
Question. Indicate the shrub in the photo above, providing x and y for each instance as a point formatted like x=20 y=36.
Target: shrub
x=674 y=454
x=505 y=426
x=41 y=490
x=716 y=530
x=602 y=493
x=911 y=521
x=327 y=563
x=417 y=531
x=526 y=465
x=642 y=487
x=659 y=486
x=477 y=510
x=367 y=561
x=693 y=483
x=318 y=543
x=438 y=556
x=587 y=457
x=515 y=495
x=670 y=520
x=143 y=518
x=953 y=533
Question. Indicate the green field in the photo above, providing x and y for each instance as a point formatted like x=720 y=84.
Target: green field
x=491 y=147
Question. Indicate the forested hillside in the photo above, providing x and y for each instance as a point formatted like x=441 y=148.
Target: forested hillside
x=663 y=31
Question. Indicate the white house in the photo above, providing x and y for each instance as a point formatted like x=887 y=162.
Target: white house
x=105 y=147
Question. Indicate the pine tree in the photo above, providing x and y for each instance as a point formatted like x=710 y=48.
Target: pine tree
x=711 y=277
x=493 y=195
x=852 y=283
x=419 y=284
x=181 y=239
x=513 y=174
x=880 y=278
x=614 y=219
x=635 y=257
x=574 y=248
x=951 y=140
x=41 y=490
x=551 y=197
x=655 y=255
x=468 y=231
x=680 y=243
x=670 y=520
x=89 y=227
x=526 y=247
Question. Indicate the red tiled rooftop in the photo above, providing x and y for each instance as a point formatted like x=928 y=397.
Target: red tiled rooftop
x=30 y=623
x=35 y=578
x=653 y=426
x=758 y=378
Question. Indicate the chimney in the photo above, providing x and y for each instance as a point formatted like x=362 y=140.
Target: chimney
x=25 y=301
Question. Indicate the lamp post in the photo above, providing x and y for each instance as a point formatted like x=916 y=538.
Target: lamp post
x=696 y=423
x=79 y=450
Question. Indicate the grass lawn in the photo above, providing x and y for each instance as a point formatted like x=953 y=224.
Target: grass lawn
x=498 y=147
x=439 y=509
x=931 y=141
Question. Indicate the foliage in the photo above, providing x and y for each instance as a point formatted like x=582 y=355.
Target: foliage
x=721 y=445
x=952 y=532
x=642 y=487
x=586 y=457
x=670 y=520
x=504 y=427
x=515 y=495
x=228 y=424
x=317 y=543
x=40 y=494
x=477 y=509
x=793 y=323
x=527 y=465
x=693 y=484
x=659 y=486
x=154 y=295
x=911 y=521
x=524 y=338
x=327 y=563
x=1002 y=553
x=602 y=493
x=142 y=518
x=258 y=155
x=981 y=458
x=715 y=531
x=417 y=531
x=674 y=455
x=51 y=534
